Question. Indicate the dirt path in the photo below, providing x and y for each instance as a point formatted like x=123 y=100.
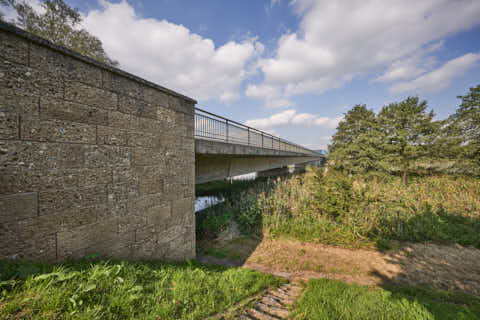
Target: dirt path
x=452 y=268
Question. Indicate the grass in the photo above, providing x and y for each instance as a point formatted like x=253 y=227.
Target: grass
x=332 y=299
x=354 y=211
x=123 y=290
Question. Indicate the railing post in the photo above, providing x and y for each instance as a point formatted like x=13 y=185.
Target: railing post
x=248 y=131
x=226 y=125
x=262 y=140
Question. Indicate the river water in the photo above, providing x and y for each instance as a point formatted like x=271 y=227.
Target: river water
x=208 y=201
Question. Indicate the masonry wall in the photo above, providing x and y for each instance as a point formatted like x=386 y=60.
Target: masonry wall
x=92 y=159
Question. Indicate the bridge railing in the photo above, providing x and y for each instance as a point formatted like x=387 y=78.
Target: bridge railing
x=210 y=126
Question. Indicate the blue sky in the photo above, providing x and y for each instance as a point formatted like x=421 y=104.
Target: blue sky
x=293 y=67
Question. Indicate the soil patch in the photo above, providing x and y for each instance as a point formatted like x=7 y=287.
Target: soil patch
x=451 y=268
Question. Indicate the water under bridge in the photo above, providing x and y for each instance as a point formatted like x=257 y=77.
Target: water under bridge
x=226 y=148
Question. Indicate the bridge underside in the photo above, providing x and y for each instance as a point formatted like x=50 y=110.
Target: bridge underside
x=218 y=160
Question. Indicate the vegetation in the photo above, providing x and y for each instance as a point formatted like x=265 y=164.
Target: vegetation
x=354 y=211
x=123 y=290
x=59 y=23
x=403 y=138
x=332 y=299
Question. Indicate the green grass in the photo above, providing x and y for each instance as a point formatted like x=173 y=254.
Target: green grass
x=123 y=289
x=332 y=299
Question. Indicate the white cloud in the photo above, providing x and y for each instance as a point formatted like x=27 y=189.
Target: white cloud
x=170 y=54
x=11 y=14
x=339 y=40
x=439 y=78
x=291 y=117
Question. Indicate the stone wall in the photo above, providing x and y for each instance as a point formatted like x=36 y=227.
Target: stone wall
x=92 y=159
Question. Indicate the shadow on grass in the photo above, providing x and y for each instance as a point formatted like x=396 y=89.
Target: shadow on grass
x=220 y=239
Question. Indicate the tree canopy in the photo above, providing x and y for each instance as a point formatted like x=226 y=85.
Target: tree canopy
x=354 y=144
x=408 y=132
x=466 y=121
x=404 y=137
x=60 y=24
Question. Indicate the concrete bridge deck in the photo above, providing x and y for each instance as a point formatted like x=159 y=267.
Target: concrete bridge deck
x=225 y=148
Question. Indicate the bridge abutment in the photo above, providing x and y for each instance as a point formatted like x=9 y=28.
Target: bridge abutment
x=93 y=159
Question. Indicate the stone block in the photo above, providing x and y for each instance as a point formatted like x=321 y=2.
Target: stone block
x=158 y=216
x=146 y=233
x=111 y=136
x=131 y=222
x=116 y=246
x=20 y=80
x=121 y=120
x=81 y=238
x=182 y=207
x=24 y=180
x=121 y=84
x=148 y=249
x=48 y=224
x=144 y=202
x=9 y=126
x=152 y=185
x=110 y=210
x=107 y=156
x=93 y=177
x=92 y=96
x=170 y=234
x=18 y=206
x=39 y=248
x=60 y=200
x=64 y=66
x=64 y=110
x=57 y=131
x=144 y=140
x=136 y=107
x=22 y=105
x=122 y=192
x=124 y=175
x=155 y=96
x=13 y=48
x=147 y=157
x=167 y=117
x=38 y=155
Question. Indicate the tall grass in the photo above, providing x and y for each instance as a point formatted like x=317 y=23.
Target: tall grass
x=358 y=211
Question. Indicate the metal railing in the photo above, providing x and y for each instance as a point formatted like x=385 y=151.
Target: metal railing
x=213 y=127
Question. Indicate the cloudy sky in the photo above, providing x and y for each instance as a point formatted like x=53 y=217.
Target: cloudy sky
x=293 y=67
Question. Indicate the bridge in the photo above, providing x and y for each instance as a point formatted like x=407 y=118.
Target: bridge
x=97 y=160
x=226 y=148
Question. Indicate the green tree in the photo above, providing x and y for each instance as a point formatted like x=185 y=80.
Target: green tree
x=60 y=23
x=354 y=145
x=466 y=121
x=408 y=132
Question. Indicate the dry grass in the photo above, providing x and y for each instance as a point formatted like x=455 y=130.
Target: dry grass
x=452 y=268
